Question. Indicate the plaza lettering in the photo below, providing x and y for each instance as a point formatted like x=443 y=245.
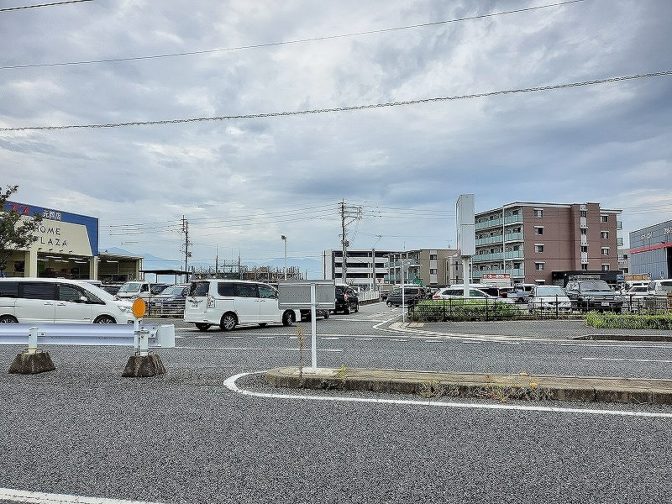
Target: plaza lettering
x=51 y=236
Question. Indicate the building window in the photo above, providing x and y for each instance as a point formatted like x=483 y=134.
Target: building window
x=539 y=266
x=516 y=248
x=584 y=231
x=433 y=272
x=604 y=235
x=584 y=248
x=605 y=267
x=433 y=257
x=604 y=218
x=538 y=230
x=538 y=212
x=515 y=212
x=584 y=267
x=538 y=248
x=605 y=251
x=583 y=213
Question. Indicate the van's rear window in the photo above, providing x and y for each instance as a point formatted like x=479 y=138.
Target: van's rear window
x=9 y=289
x=199 y=289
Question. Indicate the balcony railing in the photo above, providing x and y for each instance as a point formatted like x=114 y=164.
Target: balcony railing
x=511 y=219
x=491 y=240
x=497 y=256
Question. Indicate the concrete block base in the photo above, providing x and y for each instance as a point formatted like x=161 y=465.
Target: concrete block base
x=143 y=366
x=31 y=363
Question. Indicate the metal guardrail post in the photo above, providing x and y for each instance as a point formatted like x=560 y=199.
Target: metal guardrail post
x=32 y=340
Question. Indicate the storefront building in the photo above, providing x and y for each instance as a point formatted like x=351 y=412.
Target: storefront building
x=66 y=246
x=651 y=251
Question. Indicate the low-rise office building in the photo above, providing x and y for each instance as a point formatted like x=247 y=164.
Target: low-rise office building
x=651 y=251
x=365 y=267
x=531 y=241
x=430 y=267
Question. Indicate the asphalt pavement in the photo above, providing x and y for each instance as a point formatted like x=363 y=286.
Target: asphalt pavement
x=83 y=430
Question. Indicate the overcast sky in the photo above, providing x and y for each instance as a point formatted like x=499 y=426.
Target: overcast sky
x=242 y=183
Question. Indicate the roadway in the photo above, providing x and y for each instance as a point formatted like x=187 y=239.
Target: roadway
x=185 y=437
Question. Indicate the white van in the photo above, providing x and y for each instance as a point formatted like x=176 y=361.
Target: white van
x=227 y=303
x=61 y=301
x=140 y=289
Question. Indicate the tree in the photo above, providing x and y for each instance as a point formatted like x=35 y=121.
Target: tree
x=15 y=233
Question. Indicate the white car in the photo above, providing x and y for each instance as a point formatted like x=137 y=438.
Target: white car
x=140 y=289
x=549 y=298
x=59 y=300
x=228 y=303
x=457 y=292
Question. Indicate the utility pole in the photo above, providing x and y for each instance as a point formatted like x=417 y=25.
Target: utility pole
x=187 y=254
x=349 y=214
x=344 y=242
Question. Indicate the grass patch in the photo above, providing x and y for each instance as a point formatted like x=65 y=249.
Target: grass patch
x=616 y=321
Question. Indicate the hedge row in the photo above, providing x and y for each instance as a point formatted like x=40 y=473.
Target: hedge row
x=462 y=311
x=615 y=321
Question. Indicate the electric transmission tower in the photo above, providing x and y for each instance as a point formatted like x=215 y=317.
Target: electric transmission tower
x=185 y=246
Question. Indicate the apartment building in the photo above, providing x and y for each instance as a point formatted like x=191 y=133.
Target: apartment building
x=530 y=241
x=425 y=266
x=364 y=266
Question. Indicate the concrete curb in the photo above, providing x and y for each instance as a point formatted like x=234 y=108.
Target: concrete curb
x=477 y=385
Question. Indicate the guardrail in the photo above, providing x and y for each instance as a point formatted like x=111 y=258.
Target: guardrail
x=141 y=338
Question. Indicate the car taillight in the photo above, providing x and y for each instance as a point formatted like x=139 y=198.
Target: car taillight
x=436 y=296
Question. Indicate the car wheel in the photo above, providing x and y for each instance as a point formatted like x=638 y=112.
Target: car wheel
x=357 y=308
x=388 y=304
x=326 y=315
x=8 y=319
x=288 y=318
x=346 y=310
x=228 y=322
x=104 y=319
x=202 y=327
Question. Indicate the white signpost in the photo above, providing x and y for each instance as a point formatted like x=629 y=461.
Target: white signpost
x=311 y=294
x=466 y=235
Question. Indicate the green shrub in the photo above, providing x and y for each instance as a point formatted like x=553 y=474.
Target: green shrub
x=463 y=310
x=617 y=321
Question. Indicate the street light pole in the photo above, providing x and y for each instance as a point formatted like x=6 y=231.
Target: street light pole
x=284 y=239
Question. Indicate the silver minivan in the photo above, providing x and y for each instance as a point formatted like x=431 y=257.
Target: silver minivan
x=59 y=300
x=228 y=303
x=660 y=287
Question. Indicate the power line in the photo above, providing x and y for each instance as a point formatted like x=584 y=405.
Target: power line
x=22 y=7
x=287 y=42
x=263 y=115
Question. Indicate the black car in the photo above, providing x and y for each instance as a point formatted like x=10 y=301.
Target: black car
x=411 y=296
x=593 y=295
x=346 y=299
x=170 y=301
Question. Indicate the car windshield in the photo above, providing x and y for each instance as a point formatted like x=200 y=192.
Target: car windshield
x=550 y=290
x=101 y=294
x=594 y=285
x=130 y=287
x=173 y=290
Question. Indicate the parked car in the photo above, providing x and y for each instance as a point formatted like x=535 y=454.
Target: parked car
x=593 y=295
x=520 y=293
x=549 y=298
x=228 y=303
x=139 y=288
x=457 y=292
x=634 y=298
x=111 y=288
x=61 y=301
x=660 y=287
x=170 y=301
x=411 y=296
x=346 y=299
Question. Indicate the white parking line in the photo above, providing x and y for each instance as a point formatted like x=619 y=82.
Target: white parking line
x=614 y=359
x=230 y=383
x=265 y=337
x=433 y=341
x=256 y=349
x=11 y=495
x=203 y=337
x=330 y=338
